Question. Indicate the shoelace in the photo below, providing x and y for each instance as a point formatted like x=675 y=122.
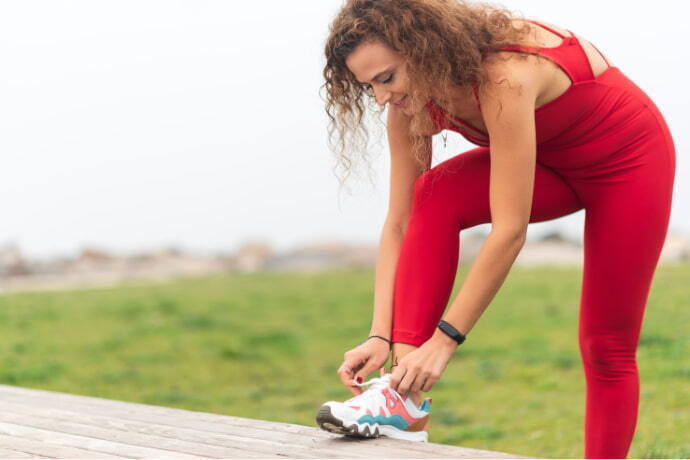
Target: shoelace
x=369 y=395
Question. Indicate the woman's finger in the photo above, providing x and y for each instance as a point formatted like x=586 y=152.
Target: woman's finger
x=354 y=389
x=347 y=373
x=406 y=382
x=396 y=376
x=365 y=370
x=419 y=383
x=428 y=385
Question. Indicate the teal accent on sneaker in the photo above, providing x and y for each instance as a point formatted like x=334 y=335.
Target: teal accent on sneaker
x=426 y=406
x=394 y=420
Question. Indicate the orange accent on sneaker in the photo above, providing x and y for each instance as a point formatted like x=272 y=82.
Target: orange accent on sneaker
x=419 y=425
x=396 y=406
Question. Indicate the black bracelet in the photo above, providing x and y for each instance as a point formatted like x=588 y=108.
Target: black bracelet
x=390 y=344
x=451 y=332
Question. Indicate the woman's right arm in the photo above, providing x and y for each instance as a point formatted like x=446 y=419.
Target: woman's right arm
x=371 y=355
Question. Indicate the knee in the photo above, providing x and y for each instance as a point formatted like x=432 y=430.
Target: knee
x=608 y=354
x=422 y=185
x=432 y=194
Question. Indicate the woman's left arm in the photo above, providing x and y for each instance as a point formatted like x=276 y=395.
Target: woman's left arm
x=508 y=110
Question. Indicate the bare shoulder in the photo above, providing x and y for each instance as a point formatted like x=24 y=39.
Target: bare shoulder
x=508 y=100
x=510 y=74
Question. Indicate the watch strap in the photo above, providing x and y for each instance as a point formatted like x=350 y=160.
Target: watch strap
x=451 y=332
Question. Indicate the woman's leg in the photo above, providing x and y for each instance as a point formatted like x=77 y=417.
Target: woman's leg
x=626 y=221
x=452 y=196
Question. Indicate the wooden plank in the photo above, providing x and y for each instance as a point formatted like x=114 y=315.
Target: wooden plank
x=265 y=441
x=54 y=435
x=169 y=413
x=234 y=444
x=426 y=448
x=6 y=453
x=215 y=424
x=47 y=449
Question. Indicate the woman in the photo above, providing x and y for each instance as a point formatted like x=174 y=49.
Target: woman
x=559 y=128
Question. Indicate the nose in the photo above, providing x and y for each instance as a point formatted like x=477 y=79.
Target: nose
x=383 y=97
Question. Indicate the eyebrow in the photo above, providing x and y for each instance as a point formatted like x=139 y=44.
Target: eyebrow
x=379 y=74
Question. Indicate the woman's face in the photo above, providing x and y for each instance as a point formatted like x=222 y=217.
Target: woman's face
x=382 y=71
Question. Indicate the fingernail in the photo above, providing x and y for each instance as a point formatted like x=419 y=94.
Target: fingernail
x=359 y=379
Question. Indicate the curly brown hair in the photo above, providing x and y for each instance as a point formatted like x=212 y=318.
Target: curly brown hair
x=445 y=43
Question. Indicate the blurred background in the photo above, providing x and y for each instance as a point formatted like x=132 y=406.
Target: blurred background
x=170 y=159
x=193 y=134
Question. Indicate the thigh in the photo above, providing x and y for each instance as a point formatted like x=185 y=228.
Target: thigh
x=625 y=230
x=460 y=186
x=627 y=212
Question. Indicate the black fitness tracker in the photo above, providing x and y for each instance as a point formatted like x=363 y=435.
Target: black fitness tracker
x=451 y=332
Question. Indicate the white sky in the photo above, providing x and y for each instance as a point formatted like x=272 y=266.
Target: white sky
x=131 y=125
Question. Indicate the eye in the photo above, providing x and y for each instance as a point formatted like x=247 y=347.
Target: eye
x=369 y=90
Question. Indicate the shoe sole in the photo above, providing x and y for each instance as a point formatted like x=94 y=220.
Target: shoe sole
x=329 y=422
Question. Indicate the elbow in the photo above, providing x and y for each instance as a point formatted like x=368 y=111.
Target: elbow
x=398 y=226
x=512 y=236
x=398 y=230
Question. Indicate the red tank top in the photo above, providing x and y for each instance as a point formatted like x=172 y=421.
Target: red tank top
x=569 y=56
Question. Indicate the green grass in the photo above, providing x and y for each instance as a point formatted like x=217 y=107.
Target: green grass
x=267 y=346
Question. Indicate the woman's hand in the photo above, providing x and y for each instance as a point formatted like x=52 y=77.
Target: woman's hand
x=362 y=361
x=420 y=369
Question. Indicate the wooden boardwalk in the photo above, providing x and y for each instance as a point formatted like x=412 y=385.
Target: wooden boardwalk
x=47 y=424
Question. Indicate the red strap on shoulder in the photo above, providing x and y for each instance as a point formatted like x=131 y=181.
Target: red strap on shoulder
x=547 y=28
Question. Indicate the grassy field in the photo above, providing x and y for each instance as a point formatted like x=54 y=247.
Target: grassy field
x=267 y=346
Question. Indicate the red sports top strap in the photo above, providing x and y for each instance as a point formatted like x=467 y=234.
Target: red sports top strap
x=601 y=54
x=569 y=55
x=547 y=28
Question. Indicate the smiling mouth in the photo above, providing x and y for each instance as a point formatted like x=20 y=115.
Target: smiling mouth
x=400 y=102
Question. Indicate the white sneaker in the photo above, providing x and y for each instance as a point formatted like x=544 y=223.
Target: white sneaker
x=378 y=411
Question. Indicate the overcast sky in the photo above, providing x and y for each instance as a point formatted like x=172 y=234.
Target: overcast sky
x=131 y=125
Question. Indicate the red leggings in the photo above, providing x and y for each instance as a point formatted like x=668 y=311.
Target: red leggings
x=627 y=202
